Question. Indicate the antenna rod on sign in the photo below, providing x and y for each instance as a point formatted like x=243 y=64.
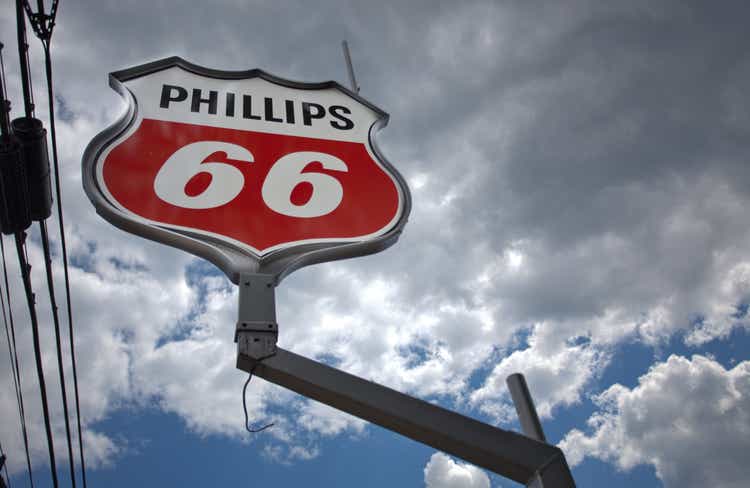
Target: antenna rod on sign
x=349 y=67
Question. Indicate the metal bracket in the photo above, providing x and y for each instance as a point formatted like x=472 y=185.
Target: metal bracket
x=513 y=455
x=256 y=332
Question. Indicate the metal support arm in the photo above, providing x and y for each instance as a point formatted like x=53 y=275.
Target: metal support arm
x=509 y=454
x=257 y=331
x=527 y=416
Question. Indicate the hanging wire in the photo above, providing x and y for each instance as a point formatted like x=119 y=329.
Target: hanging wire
x=244 y=407
x=14 y=363
x=60 y=368
x=5 y=108
x=4 y=463
x=23 y=54
x=25 y=274
x=15 y=381
x=43 y=25
x=20 y=238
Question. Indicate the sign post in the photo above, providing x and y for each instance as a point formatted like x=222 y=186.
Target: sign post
x=262 y=176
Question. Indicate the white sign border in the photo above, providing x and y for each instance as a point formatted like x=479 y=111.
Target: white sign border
x=232 y=256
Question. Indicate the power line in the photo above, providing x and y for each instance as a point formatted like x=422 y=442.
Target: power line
x=4 y=104
x=61 y=226
x=20 y=238
x=56 y=320
x=23 y=263
x=12 y=349
x=32 y=136
x=11 y=356
x=43 y=25
x=23 y=55
x=4 y=465
x=14 y=363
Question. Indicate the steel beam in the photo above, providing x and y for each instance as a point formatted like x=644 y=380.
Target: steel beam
x=527 y=416
x=509 y=454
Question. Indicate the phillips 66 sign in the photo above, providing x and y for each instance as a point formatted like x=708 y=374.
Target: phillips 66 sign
x=250 y=171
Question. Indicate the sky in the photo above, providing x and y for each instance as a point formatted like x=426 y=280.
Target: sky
x=580 y=178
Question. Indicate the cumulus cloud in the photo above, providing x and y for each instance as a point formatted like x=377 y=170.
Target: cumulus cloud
x=688 y=418
x=557 y=373
x=579 y=176
x=443 y=472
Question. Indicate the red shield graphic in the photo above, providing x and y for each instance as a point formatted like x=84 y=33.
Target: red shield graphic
x=245 y=169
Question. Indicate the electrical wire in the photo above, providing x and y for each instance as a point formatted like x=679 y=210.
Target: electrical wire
x=20 y=238
x=25 y=274
x=43 y=26
x=244 y=407
x=60 y=368
x=5 y=108
x=5 y=464
x=14 y=364
x=23 y=55
x=64 y=257
x=15 y=381
x=42 y=23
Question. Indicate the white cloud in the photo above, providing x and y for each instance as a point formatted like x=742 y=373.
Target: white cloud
x=557 y=190
x=688 y=418
x=328 y=421
x=364 y=325
x=556 y=372
x=722 y=313
x=443 y=472
x=101 y=450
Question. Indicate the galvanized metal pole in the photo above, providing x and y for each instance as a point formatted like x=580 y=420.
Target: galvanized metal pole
x=509 y=454
x=349 y=67
x=519 y=391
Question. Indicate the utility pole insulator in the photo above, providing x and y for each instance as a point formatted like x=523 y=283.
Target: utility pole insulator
x=14 y=207
x=33 y=138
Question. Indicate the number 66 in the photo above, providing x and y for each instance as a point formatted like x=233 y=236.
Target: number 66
x=227 y=181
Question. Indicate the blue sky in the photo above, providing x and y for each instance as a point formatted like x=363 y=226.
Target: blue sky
x=580 y=184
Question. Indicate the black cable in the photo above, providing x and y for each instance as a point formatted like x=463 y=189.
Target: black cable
x=5 y=464
x=14 y=363
x=244 y=407
x=61 y=226
x=63 y=245
x=41 y=22
x=25 y=268
x=35 y=25
x=4 y=103
x=56 y=320
x=15 y=384
x=23 y=55
x=17 y=368
x=43 y=26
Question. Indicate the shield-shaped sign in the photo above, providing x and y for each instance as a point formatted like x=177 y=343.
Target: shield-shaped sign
x=253 y=172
